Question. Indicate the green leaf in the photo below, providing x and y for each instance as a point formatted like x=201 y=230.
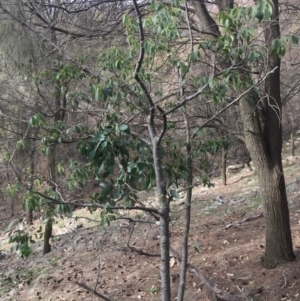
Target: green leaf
x=281 y=51
x=97 y=93
x=175 y=194
x=124 y=128
x=295 y=39
x=118 y=65
x=211 y=83
x=252 y=56
x=7 y=155
x=197 y=247
x=227 y=23
x=92 y=155
x=20 y=144
x=99 y=137
x=194 y=56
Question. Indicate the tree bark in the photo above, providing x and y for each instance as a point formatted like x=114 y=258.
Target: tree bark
x=164 y=218
x=187 y=218
x=224 y=165
x=279 y=246
x=47 y=237
x=32 y=165
x=48 y=227
x=292 y=143
x=272 y=189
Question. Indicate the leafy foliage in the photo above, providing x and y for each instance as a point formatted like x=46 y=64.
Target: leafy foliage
x=22 y=244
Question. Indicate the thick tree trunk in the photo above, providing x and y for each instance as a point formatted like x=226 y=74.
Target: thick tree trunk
x=267 y=161
x=279 y=246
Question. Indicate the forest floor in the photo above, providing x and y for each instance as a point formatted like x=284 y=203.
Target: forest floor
x=226 y=243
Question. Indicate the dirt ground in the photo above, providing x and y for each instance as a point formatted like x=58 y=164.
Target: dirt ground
x=226 y=243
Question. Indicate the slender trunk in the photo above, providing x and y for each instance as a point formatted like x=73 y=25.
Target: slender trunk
x=224 y=165
x=187 y=220
x=29 y=216
x=164 y=226
x=157 y=163
x=52 y=176
x=59 y=116
x=32 y=165
x=292 y=121
x=12 y=205
x=164 y=211
x=47 y=237
x=292 y=143
x=165 y=250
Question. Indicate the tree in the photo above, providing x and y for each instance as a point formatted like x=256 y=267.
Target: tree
x=262 y=127
x=141 y=88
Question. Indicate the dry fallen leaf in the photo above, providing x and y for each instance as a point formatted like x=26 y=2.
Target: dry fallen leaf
x=172 y=262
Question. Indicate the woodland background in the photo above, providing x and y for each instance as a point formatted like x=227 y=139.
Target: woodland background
x=124 y=107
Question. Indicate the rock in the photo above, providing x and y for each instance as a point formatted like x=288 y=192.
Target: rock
x=219 y=199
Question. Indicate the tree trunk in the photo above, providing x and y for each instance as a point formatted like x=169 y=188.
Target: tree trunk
x=164 y=225
x=12 y=206
x=279 y=246
x=292 y=143
x=224 y=165
x=47 y=237
x=164 y=211
x=267 y=162
x=187 y=218
x=32 y=165
x=29 y=216
x=52 y=177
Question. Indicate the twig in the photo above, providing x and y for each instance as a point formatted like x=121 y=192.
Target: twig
x=247 y=219
x=92 y=291
x=137 y=250
x=258 y=83
x=97 y=205
x=285 y=281
x=250 y=218
x=98 y=274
